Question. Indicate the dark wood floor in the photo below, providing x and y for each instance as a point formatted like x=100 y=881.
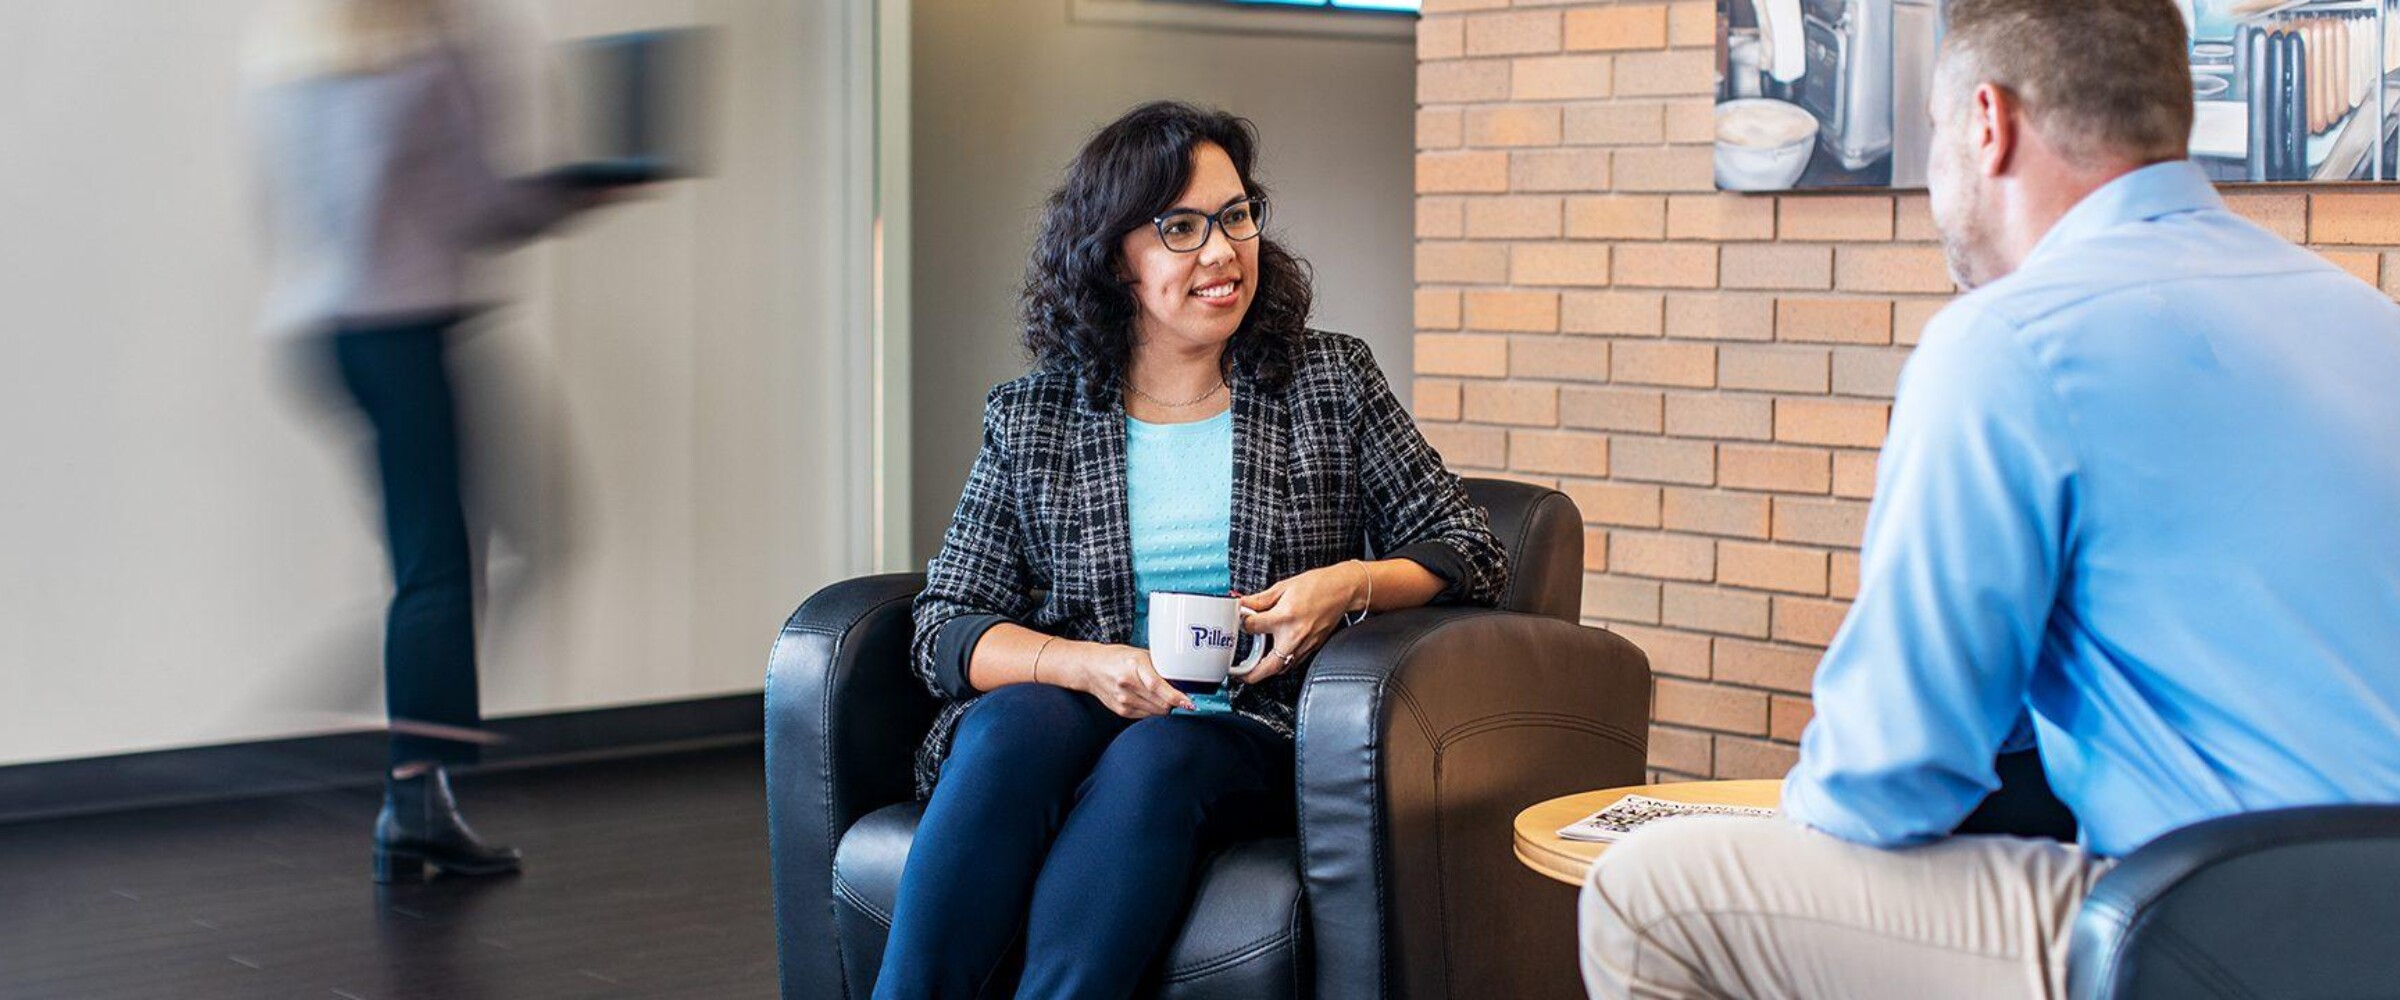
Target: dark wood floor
x=643 y=878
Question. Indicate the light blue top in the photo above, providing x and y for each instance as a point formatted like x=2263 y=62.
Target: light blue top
x=1179 y=495
x=2147 y=487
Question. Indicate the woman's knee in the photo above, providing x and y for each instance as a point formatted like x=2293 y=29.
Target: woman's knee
x=1168 y=744
x=1023 y=725
x=1175 y=757
x=1025 y=712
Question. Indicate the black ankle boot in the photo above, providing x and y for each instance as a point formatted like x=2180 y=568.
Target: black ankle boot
x=420 y=826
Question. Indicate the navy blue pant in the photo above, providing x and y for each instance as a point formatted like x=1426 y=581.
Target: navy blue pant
x=398 y=376
x=1064 y=826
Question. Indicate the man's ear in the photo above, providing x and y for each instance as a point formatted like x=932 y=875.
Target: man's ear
x=1997 y=128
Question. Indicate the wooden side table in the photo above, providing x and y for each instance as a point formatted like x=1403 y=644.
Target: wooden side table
x=1541 y=848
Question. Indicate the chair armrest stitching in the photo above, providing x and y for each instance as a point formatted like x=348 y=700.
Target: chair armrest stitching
x=1441 y=872
x=858 y=899
x=1375 y=837
x=1292 y=928
x=1416 y=713
x=1510 y=720
x=1226 y=960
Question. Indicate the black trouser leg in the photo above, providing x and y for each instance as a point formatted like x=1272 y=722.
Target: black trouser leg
x=400 y=380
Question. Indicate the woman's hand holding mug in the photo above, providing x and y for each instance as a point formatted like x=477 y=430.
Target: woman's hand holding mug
x=1301 y=612
x=1122 y=678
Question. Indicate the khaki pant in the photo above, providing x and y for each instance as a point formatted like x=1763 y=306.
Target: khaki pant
x=1742 y=907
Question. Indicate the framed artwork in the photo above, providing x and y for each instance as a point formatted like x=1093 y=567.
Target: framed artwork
x=1816 y=94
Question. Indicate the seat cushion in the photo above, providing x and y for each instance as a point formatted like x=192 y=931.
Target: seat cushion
x=1246 y=935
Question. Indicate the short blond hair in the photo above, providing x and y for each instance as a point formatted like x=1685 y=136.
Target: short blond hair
x=301 y=39
x=2101 y=79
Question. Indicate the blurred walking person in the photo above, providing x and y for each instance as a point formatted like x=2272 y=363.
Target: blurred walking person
x=375 y=161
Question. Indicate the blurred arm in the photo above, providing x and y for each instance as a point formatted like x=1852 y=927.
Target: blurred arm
x=498 y=210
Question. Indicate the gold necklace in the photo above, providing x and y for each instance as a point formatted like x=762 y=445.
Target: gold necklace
x=1194 y=401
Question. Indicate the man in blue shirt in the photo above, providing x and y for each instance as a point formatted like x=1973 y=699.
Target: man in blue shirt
x=2137 y=504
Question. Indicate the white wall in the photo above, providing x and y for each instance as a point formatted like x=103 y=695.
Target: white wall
x=671 y=409
x=1005 y=93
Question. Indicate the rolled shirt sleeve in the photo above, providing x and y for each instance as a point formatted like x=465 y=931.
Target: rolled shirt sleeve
x=1439 y=559
x=1972 y=521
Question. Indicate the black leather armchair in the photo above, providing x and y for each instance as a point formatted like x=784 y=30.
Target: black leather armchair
x=1422 y=733
x=2286 y=903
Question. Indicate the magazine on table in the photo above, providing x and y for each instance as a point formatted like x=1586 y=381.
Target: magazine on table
x=1636 y=811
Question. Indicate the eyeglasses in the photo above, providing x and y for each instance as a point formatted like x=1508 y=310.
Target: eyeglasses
x=1186 y=231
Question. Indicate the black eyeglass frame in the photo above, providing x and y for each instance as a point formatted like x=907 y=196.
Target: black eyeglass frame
x=1211 y=222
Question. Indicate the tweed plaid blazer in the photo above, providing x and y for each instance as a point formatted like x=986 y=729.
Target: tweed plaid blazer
x=1327 y=468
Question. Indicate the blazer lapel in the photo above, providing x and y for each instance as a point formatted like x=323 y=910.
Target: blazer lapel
x=1260 y=484
x=1107 y=542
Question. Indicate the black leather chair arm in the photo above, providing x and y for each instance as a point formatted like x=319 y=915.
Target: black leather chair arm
x=1542 y=533
x=844 y=716
x=1422 y=734
x=2288 y=902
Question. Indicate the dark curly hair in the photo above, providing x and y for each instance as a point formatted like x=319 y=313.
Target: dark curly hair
x=1079 y=314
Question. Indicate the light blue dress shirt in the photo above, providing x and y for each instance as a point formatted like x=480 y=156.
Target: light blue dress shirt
x=1179 y=500
x=2148 y=488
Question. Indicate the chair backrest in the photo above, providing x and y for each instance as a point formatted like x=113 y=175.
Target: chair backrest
x=2285 y=903
x=1542 y=534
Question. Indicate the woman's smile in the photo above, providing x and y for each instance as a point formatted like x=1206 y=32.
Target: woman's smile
x=1220 y=293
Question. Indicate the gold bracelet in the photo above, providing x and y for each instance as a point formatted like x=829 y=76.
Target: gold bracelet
x=1037 y=657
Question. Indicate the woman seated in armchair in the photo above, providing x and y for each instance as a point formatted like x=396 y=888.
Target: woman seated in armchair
x=1183 y=431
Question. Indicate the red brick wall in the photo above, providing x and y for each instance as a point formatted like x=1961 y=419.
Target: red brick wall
x=1708 y=375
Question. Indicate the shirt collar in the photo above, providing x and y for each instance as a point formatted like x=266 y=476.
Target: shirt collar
x=2147 y=193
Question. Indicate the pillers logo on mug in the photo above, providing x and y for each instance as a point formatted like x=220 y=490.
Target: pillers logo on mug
x=1193 y=638
x=1204 y=637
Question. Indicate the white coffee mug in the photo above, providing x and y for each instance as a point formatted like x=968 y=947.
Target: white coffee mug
x=1193 y=638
